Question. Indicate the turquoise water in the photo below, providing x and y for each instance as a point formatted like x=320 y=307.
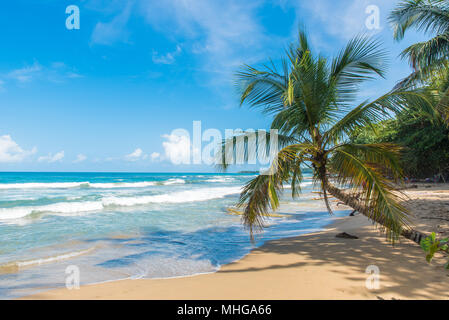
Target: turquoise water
x=129 y=225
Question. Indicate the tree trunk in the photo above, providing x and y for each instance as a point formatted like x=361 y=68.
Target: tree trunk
x=356 y=204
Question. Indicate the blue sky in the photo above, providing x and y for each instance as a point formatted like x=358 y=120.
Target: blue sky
x=107 y=96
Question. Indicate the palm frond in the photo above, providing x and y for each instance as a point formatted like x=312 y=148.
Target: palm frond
x=262 y=88
x=384 y=155
x=431 y=52
x=368 y=113
x=261 y=194
x=429 y=16
x=362 y=59
x=425 y=74
x=379 y=194
x=423 y=15
x=244 y=148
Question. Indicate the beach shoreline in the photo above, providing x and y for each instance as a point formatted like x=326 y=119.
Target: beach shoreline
x=311 y=266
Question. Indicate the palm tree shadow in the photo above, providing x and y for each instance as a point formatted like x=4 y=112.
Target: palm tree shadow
x=403 y=269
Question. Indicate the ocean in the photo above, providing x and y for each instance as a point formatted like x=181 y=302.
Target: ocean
x=131 y=225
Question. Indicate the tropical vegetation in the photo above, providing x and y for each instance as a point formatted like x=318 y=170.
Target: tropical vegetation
x=431 y=245
x=424 y=141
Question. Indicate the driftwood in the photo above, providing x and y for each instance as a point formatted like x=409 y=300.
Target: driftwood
x=345 y=235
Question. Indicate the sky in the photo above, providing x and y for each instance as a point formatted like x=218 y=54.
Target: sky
x=107 y=96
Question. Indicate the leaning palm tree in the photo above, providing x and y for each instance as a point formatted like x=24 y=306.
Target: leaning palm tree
x=432 y=17
x=311 y=100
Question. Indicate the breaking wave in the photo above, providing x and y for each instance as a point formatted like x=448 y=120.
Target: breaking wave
x=86 y=184
x=196 y=195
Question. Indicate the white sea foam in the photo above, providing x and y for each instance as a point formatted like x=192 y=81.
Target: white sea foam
x=85 y=184
x=65 y=256
x=43 y=185
x=221 y=179
x=122 y=185
x=60 y=207
x=40 y=261
x=302 y=184
x=195 y=195
x=174 y=181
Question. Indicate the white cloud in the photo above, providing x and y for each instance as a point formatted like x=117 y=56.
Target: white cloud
x=59 y=72
x=50 y=158
x=80 y=158
x=25 y=74
x=343 y=19
x=177 y=148
x=58 y=65
x=156 y=156
x=167 y=58
x=136 y=155
x=108 y=33
x=73 y=75
x=55 y=72
x=10 y=151
x=224 y=36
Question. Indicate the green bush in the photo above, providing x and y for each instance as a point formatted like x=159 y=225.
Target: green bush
x=431 y=245
x=425 y=143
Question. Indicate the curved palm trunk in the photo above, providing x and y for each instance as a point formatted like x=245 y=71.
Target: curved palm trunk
x=356 y=204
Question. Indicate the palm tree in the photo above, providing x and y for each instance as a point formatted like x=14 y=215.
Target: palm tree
x=432 y=17
x=310 y=100
x=440 y=86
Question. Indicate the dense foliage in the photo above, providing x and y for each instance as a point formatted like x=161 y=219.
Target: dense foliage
x=425 y=143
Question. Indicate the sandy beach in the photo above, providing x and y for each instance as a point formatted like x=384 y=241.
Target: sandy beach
x=312 y=266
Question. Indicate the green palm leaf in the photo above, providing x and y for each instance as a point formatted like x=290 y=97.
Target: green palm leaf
x=431 y=17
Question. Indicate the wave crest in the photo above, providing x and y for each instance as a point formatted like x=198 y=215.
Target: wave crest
x=196 y=195
x=87 y=184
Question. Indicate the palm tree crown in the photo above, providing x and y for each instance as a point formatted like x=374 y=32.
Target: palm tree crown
x=429 y=16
